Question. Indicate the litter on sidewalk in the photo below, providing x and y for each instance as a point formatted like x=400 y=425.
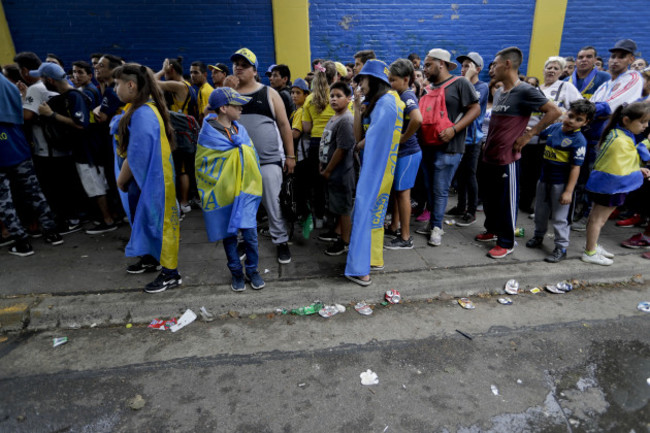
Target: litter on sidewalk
x=369 y=377
x=162 y=324
x=188 y=317
x=466 y=303
x=504 y=301
x=206 y=316
x=58 y=341
x=363 y=309
x=512 y=287
x=644 y=306
x=559 y=288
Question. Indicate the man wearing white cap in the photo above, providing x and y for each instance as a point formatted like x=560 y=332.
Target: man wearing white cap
x=443 y=134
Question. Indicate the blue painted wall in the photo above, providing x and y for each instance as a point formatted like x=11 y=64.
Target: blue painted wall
x=143 y=31
x=603 y=25
x=395 y=28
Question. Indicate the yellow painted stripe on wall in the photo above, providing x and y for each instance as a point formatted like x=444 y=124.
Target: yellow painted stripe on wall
x=7 y=49
x=291 y=34
x=548 y=25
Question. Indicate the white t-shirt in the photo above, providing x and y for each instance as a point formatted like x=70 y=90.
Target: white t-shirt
x=37 y=93
x=568 y=94
x=626 y=88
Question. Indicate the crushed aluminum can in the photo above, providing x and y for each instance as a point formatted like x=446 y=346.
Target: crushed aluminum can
x=645 y=307
x=328 y=311
x=535 y=290
x=466 y=303
x=504 y=301
x=393 y=296
x=363 y=309
x=340 y=308
x=520 y=232
x=512 y=287
x=559 y=288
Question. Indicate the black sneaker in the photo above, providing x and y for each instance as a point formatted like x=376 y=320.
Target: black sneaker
x=142 y=266
x=53 y=238
x=101 y=228
x=163 y=282
x=337 y=248
x=400 y=244
x=328 y=236
x=284 y=255
x=535 y=242
x=455 y=212
x=5 y=242
x=68 y=227
x=21 y=248
x=238 y=284
x=466 y=220
x=557 y=255
x=257 y=283
x=424 y=229
x=390 y=233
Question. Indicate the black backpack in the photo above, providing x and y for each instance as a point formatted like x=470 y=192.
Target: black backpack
x=186 y=131
x=60 y=136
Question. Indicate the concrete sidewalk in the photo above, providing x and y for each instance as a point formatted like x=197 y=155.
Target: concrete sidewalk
x=84 y=282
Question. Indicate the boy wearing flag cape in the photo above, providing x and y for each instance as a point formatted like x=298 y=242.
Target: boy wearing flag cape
x=383 y=118
x=230 y=184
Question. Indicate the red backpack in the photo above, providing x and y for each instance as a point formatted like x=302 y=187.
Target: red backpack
x=434 y=115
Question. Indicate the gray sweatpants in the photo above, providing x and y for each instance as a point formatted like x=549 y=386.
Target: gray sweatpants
x=271 y=184
x=547 y=206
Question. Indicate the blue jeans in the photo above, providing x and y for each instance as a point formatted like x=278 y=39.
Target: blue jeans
x=252 y=258
x=439 y=169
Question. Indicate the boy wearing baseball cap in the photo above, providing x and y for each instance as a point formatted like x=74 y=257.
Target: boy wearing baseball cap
x=230 y=184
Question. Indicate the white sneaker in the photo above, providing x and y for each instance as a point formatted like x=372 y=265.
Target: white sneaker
x=603 y=252
x=186 y=208
x=436 y=236
x=597 y=259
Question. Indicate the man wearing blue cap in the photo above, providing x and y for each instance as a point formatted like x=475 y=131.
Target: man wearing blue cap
x=69 y=113
x=266 y=120
x=54 y=167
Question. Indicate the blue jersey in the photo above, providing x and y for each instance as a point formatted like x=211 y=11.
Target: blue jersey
x=410 y=146
x=563 y=150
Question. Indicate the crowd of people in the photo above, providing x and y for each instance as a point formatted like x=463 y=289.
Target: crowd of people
x=109 y=141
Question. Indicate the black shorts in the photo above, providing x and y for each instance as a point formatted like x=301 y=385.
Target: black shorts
x=183 y=162
x=608 y=200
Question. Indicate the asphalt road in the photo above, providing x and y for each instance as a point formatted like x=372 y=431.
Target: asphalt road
x=578 y=362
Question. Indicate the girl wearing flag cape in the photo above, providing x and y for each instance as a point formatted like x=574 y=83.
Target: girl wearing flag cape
x=230 y=183
x=381 y=116
x=143 y=138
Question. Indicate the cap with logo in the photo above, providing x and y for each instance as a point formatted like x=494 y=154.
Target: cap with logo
x=226 y=96
x=341 y=69
x=49 y=70
x=247 y=55
x=220 y=67
x=444 y=55
x=374 y=68
x=474 y=57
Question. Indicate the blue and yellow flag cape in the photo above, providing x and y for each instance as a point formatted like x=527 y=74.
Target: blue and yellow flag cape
x=150 y=202
x=616 y=169
x=373 y=189
x=229 y=181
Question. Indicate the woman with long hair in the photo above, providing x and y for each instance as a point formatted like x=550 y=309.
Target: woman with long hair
x=144 y=140
x=316 y=113
x=379 y=125
x=617 y=171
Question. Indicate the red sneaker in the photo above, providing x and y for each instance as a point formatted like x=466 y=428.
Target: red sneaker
x=486 y=237
x=499 y=252
x=636 y=241
x=614 y=214
x=629 y=222
x=646 y=256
